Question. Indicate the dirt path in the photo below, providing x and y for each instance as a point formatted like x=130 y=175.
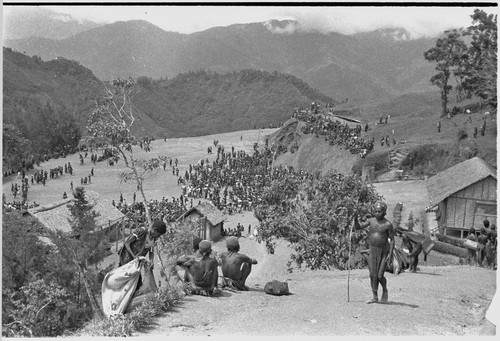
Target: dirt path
x=437 y=300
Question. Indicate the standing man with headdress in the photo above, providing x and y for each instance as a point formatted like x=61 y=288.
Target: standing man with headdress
x=381 y=242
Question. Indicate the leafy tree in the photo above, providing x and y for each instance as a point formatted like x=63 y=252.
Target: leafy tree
x=16 y=147
x=23 y=254
x=448 y=56
x=314 y=217
x=481 y=73
x=110 y=126
x=177 y=242
x=84 y=246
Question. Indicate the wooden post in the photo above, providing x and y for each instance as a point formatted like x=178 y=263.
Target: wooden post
x=205 y=227
x=116 y=242
x=123 y=230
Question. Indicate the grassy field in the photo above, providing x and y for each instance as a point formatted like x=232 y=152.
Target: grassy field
x=106 y=179
x=414 y=119
x=161 y=184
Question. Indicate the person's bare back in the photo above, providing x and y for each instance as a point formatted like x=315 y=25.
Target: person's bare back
x=236 y=266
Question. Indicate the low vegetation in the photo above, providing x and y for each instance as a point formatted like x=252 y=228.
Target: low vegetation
x=315 y=217
x=142 y=316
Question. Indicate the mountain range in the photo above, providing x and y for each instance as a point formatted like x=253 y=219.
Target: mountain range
x=50 y=101
x=365 y=66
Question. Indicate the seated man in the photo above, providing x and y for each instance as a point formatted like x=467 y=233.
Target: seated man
x=201 y=269
x=181 y=260
x=235 y=266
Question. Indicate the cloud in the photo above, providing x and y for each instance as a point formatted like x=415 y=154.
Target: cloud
x=287 y=28
x=418 y=21
x=63 y=17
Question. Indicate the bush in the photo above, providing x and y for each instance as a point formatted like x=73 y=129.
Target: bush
x=379 y=160
x=39 y=309
x=425 y=159
x=462 y=134
x=127 y=324
x=315 y=218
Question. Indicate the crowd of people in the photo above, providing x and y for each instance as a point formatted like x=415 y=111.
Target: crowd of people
x=234 y=181
x=164 y=209
x=335 y=132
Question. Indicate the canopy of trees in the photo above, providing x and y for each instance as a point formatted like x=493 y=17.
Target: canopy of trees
x=470 y=55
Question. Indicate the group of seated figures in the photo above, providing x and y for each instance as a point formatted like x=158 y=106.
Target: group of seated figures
x=201 y=268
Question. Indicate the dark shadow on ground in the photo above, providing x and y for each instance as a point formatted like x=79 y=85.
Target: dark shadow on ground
x=400 y=304
x=256 y=289
x=425 y=273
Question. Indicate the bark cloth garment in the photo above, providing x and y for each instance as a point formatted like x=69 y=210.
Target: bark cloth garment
x=232 y=284
x=118 y=287
x=377 y=263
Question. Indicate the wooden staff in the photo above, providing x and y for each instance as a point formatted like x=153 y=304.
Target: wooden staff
x=349 y=263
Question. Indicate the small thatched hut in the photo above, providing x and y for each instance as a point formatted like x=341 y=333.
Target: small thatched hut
x=58 y=216
x=466 y=195
x=209 y=218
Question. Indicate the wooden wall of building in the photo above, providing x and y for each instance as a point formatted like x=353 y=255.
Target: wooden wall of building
x=464 y=209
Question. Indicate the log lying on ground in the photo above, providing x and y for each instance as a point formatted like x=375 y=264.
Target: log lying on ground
x=450 y=249
x=450 y=240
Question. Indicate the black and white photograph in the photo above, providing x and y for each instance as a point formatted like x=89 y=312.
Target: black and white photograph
x=224 y=170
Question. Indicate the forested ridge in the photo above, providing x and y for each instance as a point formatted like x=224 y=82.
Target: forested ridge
x=47 y=104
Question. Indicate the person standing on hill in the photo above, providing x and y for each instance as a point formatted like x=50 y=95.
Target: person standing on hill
x=482 y=239
x=472 y=256
x=381 y=243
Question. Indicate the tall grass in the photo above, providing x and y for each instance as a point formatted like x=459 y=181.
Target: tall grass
x=127 y=324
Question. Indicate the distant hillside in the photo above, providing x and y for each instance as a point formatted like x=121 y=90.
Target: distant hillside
x=374 y=65
x=50 y=102
x=412 y=123
x=202 y=103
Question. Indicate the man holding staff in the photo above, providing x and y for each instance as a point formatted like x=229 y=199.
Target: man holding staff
x=381 y=242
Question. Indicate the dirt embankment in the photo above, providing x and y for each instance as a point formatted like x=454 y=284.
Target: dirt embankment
x=313 y=154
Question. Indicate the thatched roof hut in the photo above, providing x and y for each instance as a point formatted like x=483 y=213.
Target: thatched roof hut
x=58 y=216
x=465 y=195
x=208 y=216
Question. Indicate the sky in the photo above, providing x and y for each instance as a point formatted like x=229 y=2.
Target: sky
x=419 y=21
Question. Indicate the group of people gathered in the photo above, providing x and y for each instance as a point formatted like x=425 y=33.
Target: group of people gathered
x=235 y=180
x=484 y=251
x=335 y=132
x=201 y=268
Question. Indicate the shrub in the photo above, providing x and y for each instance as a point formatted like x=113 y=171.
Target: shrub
x=39 y=309
x=425 y=159
x=315 y=217
x=462 y=134
x=379 y=160
x=127 y=324
x=410 y=224
x=396 y=215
